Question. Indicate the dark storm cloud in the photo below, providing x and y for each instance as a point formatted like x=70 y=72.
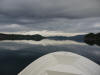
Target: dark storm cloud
x=52 y=15
x=50 y=8
x=55 y=24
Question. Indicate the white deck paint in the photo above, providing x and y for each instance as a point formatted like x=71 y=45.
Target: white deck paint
x=62 y=63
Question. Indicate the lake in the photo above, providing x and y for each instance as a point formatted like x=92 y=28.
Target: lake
x=16 y=55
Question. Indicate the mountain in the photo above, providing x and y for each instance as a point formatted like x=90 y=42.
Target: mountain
x=78 y=38
x=35 y=37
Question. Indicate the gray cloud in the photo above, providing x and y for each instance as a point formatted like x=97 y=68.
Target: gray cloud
x=52 y=15
x=54 y=24
x=50 y=8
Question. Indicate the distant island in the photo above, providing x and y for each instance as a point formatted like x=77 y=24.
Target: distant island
x=35 y=37
x=92 y=38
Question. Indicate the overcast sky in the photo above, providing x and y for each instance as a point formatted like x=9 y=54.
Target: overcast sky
x=70 y=16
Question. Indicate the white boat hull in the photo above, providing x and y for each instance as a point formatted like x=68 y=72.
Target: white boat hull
x=62 y=63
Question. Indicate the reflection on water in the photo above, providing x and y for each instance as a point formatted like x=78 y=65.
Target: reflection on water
x=46 y=42
x=16 y=55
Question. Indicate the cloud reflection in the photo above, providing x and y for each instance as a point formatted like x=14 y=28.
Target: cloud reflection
x=46 y=42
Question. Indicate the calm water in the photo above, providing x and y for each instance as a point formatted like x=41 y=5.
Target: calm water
x=16 y=55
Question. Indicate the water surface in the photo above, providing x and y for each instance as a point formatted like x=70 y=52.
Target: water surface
x=16 y=55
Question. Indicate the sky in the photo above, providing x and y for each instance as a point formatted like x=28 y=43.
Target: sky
x=61 y=16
